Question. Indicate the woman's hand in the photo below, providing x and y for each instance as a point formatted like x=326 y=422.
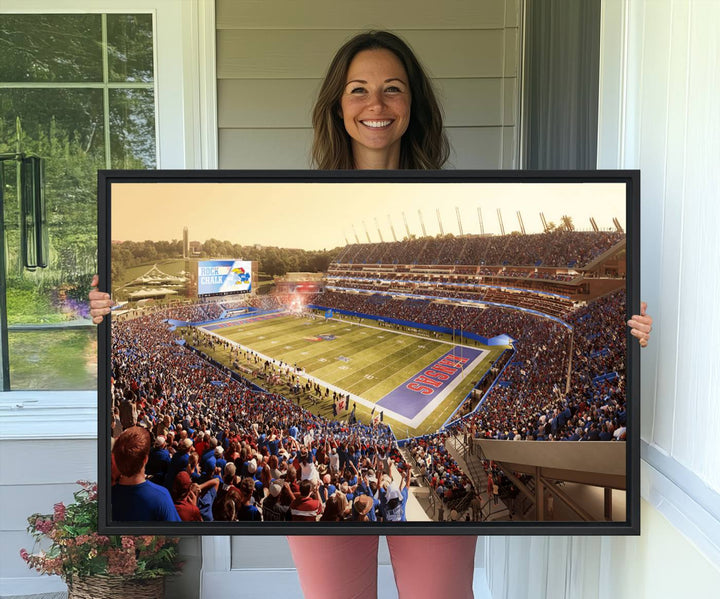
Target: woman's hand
x=100 y=302
x=641 y=325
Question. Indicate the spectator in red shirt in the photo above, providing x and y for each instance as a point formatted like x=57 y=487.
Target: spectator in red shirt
x=308 y=506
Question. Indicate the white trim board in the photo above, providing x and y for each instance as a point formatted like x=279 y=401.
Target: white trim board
x=681 y=496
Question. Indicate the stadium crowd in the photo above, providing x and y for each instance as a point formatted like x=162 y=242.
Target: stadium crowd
x=237 y=453
x=226 y=450
x=558 y=248
x=533 y=399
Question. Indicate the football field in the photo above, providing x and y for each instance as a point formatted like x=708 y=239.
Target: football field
x=415 y=380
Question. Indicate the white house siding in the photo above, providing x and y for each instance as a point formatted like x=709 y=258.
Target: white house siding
x=271 y=58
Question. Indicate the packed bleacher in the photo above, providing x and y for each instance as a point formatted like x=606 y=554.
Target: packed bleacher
x=557 y=248
x=530 y=400
x=262 y=449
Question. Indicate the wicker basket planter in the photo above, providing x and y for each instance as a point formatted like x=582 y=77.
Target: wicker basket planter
x=116 y=587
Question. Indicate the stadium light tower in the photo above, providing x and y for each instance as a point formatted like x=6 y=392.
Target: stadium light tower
x=357 y=239
x=593 y=224
x=544 y=222
x=457 y=212
x=422 y=223
x=392 y=229
x=502 y=227
x=617 y=224
x=480 y=220
x=366 y=232
x=437 y=211
x=407 y=229
x=378 y=229
x=520 y=220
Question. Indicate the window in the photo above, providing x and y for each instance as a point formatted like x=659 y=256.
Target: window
x=77 y=90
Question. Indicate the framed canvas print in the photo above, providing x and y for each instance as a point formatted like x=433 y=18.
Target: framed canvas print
x=392 y=352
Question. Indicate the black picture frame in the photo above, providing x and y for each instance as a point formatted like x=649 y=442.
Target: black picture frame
x=628 y=179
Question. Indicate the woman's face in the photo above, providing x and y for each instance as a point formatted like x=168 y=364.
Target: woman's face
x=375 y=104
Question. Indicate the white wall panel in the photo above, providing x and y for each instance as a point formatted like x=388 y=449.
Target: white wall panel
x=269 y=103
x=697 y=444
x=671 y=129
x=475 y=147
x=19 y=501
x=537 y=555
x=510 y=94
x=265 y=148
x=511 y=141
x=460 y=99
x=511 y=60
x=347 y=14
x=307 y=53
x=673 y=234
x=52 y=461
x=471 y=148
x=34 y=475
x=288 y=103
x=253 y=552
x=652 y=119
x=12 y=567
x=512 y=13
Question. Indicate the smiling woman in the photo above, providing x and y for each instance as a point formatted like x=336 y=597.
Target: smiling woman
x=377 y=109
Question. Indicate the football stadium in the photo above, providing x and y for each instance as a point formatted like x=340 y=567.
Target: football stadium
x=398 y=370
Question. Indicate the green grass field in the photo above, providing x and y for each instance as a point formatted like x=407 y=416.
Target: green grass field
x=364 y=359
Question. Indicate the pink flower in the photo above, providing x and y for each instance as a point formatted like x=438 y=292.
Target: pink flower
x=43 y=526
x=128 y=543
x=59 y=512
x=24 y=555
x=53 y=565
x=121 y=562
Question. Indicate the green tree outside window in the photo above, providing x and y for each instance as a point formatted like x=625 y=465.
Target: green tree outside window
x=81 y=88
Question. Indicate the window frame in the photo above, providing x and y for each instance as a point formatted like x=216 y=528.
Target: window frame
x=186 y=137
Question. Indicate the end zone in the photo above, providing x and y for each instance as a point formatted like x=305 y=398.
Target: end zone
x=416 y=398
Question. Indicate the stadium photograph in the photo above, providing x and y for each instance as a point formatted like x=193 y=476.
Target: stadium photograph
x=368 y=352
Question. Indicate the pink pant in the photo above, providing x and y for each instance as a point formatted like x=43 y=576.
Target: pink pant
x=346 y=566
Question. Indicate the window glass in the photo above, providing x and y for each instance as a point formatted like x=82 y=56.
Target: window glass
x=36 y=48
x=132 y=128
x=59 y=103
x=54 y=359
x=130 y=56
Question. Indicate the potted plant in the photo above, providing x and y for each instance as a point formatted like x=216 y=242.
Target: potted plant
x=93 y=566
